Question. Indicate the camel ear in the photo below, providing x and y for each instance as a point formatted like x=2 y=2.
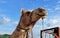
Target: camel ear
x=23 y=12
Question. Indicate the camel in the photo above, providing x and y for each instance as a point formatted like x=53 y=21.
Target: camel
x=27 y=22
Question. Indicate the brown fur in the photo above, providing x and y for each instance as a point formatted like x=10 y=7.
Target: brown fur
x=27 y=21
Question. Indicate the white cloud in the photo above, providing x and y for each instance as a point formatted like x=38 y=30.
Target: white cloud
x=2 y=33
x=15 y=23
x=57 y=7
x=4 y=20
x=50 y=9
x=54 y=21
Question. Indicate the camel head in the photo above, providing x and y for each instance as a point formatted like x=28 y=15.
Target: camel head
x=38 y=13
x=33 y=15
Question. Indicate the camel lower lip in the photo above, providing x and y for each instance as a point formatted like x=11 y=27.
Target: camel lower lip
x=41 y=15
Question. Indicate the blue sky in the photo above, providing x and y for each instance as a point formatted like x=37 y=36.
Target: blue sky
x=10 y=14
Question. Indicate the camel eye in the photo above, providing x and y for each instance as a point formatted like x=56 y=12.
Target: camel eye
x=28 y=12
x=40 y=11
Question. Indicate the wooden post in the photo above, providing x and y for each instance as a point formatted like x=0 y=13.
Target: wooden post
x=56 y=32
x=41 y=34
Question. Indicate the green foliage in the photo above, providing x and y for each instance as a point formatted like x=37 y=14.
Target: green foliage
x=4 y=36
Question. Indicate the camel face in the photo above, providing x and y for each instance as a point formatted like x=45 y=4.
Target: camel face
x=38 y=13
x=41 y=12
x=32 y=16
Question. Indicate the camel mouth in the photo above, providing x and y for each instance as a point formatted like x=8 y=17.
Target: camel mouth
x=42 y=14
